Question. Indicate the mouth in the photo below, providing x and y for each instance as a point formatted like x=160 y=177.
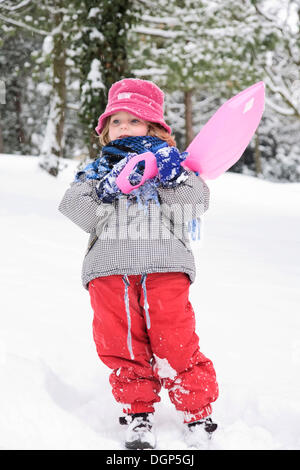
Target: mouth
x=123 y=136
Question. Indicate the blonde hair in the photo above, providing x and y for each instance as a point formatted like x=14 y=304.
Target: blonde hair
x=154 y=129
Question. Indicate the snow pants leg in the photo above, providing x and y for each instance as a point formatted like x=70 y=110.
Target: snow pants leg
x=144 y=329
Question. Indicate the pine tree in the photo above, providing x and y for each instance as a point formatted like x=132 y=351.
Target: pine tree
x=280 y=127
x=100 y=52
x=51 y=21
x=16 y=66
x=206 y=48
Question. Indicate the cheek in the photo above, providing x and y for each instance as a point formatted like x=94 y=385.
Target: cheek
x=111 y=132
x=143 y=130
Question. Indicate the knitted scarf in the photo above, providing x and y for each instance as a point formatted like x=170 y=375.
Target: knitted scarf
x=116 y=151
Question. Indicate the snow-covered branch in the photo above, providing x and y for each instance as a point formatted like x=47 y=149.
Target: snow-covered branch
x=161 y=20
x=283 y=30
x=287 y=98
x=145 y=3
x=23 y=25
x=265 y=15
x=279 y=109
x=149 y=72
x=16 y=7
x=155 y=32
x=73 y=106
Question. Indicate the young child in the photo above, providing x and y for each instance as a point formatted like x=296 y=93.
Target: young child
x=139 y=265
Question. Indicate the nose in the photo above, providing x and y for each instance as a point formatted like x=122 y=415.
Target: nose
x=124 y=125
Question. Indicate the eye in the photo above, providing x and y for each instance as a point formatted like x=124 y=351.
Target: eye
x=115 y=122
x=135 y=121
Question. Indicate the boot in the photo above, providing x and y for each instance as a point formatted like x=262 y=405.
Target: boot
x=198 y=433
x=139 y=434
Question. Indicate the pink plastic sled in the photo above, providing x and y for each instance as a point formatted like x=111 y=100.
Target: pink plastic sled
x=219 y=144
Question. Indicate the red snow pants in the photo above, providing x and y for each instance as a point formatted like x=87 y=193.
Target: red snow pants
x=144 y=329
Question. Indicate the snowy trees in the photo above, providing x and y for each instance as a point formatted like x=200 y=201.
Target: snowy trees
x=100 y=54
x=201 y=52
x=13 y=71
x=279 y=132
x=15 y=67
x=53 y=143
x=84 y=51
x=208 y=49
x=204 y=52
x=48 y=21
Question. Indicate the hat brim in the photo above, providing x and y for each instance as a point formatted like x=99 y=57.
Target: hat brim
x=142 y=114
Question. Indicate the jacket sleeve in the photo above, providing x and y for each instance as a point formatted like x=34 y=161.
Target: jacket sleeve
x=83 y=207
x=192 y=195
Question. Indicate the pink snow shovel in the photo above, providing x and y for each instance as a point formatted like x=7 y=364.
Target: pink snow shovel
x=219 y=144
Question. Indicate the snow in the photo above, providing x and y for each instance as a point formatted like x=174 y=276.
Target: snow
x=54 y=391
x=48 y=45
x=2 y=92
x=95 y=34
x=163 y=368
x=94 y=78
x=94 y=12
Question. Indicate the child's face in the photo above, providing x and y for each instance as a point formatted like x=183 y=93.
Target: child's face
x=123 y=124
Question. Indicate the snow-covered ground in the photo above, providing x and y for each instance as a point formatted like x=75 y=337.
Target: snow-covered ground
x=54 y=391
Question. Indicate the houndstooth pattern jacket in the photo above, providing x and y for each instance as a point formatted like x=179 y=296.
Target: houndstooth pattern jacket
x=129 y=240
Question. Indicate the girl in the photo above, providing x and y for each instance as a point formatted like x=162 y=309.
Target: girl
x=138 y=266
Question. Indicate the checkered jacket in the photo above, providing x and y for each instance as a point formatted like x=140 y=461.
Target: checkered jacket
x=130 y=240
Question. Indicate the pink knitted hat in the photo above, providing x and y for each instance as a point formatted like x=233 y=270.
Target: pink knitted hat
x=141 y=98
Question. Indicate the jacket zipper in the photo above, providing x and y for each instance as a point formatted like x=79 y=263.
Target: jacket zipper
x=91 y=244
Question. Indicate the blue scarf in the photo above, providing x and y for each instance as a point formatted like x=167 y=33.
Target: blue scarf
x=116 y=151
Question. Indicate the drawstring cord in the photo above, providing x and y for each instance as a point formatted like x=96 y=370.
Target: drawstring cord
x=126 y=299
x=146 y=307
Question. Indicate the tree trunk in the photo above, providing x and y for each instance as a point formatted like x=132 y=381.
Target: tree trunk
x=52 y=149
x=2 y=101
x=18 y=106
x=189 y=134
x=2 y=92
